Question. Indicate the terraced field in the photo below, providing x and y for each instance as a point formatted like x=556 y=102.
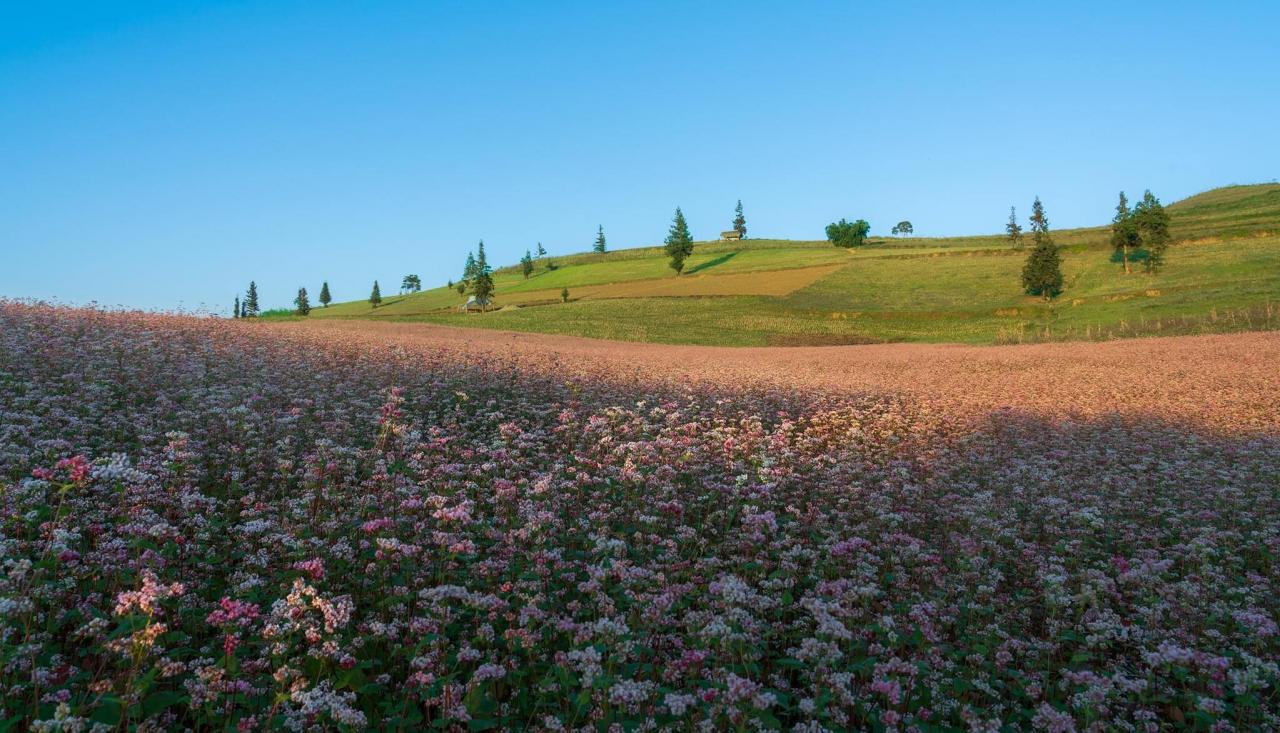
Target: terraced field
x=1222 y=276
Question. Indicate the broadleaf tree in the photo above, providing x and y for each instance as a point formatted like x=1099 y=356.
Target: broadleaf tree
x=848 y=233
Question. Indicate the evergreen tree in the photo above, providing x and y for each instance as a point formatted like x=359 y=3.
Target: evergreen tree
x=599 y=245
x=469 y=270
x=526 y=264
x=541 y=252
x=303 y=305
x=251 y=300
x=235 y=309
x=1124 y=232
x=482 y=285
x=244 y=310
x=1152 y=223
x=1039 y=224
x=679 y=242
x=325 y=298
x=740 y=221
x=1042 y=273
x=564 y=295
x=375 y=297
x=1013 y=229
x=461 y=287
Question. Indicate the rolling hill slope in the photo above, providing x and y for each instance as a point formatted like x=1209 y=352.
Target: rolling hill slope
x=1223 y=274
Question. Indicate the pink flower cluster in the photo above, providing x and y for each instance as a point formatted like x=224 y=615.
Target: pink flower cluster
x=211 y=524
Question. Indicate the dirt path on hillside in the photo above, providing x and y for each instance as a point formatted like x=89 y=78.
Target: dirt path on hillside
x=1228 y=381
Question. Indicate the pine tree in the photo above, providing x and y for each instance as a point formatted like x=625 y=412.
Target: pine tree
x=1013 y=229
x=740 y=221
x=526 y=264
x=599 y=246
x=564 y=295
x=1124 y=232
x=1042 y=273
x=235 y=310
x=469 y=270
x=251 y=300
x=375 y=297
x=541 y=252
x=679 y=242
x=482 y=285
x=325 y=298
x=303 y=305
x=1152 y=223
x=244 y=310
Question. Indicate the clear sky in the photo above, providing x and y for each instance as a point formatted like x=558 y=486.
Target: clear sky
x=161 y=154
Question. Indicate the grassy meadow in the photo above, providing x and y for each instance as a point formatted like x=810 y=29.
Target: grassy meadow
x=1222 y=274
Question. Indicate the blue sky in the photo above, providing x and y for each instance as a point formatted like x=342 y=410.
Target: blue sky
x=161 y=155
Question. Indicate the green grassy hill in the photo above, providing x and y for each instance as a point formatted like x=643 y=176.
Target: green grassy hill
x=1222 y=274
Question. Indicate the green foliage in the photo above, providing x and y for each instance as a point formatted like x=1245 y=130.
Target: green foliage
x=469 y=269
x=251 y=300
x=599 y=246
x=848 y=234
x=1124 y=232
x=541 y=252
x=375 y=297
x=1039 y=224
x=526 y=264
x=1013 y=230
x=1152 y=223
x=235 y=309
x=302 y=306
x=903 y=227
x=325 y=297
x=679 y=243
x=740 y=221
x=1042 y=272
x=482 y=283
x=564 y=295
x=411 y=284
x=964 y=289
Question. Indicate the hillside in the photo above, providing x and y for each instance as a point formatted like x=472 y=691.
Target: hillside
x=1223 y=274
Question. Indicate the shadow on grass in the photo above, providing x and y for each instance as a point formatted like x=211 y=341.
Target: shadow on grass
x=712 y=263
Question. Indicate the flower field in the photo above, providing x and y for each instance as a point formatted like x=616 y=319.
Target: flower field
x=210 y=524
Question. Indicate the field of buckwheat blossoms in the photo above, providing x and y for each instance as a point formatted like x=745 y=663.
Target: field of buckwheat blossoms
x=212 y=524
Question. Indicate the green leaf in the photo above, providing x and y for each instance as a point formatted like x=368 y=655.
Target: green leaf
x=109 y=711
x=158 y=701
